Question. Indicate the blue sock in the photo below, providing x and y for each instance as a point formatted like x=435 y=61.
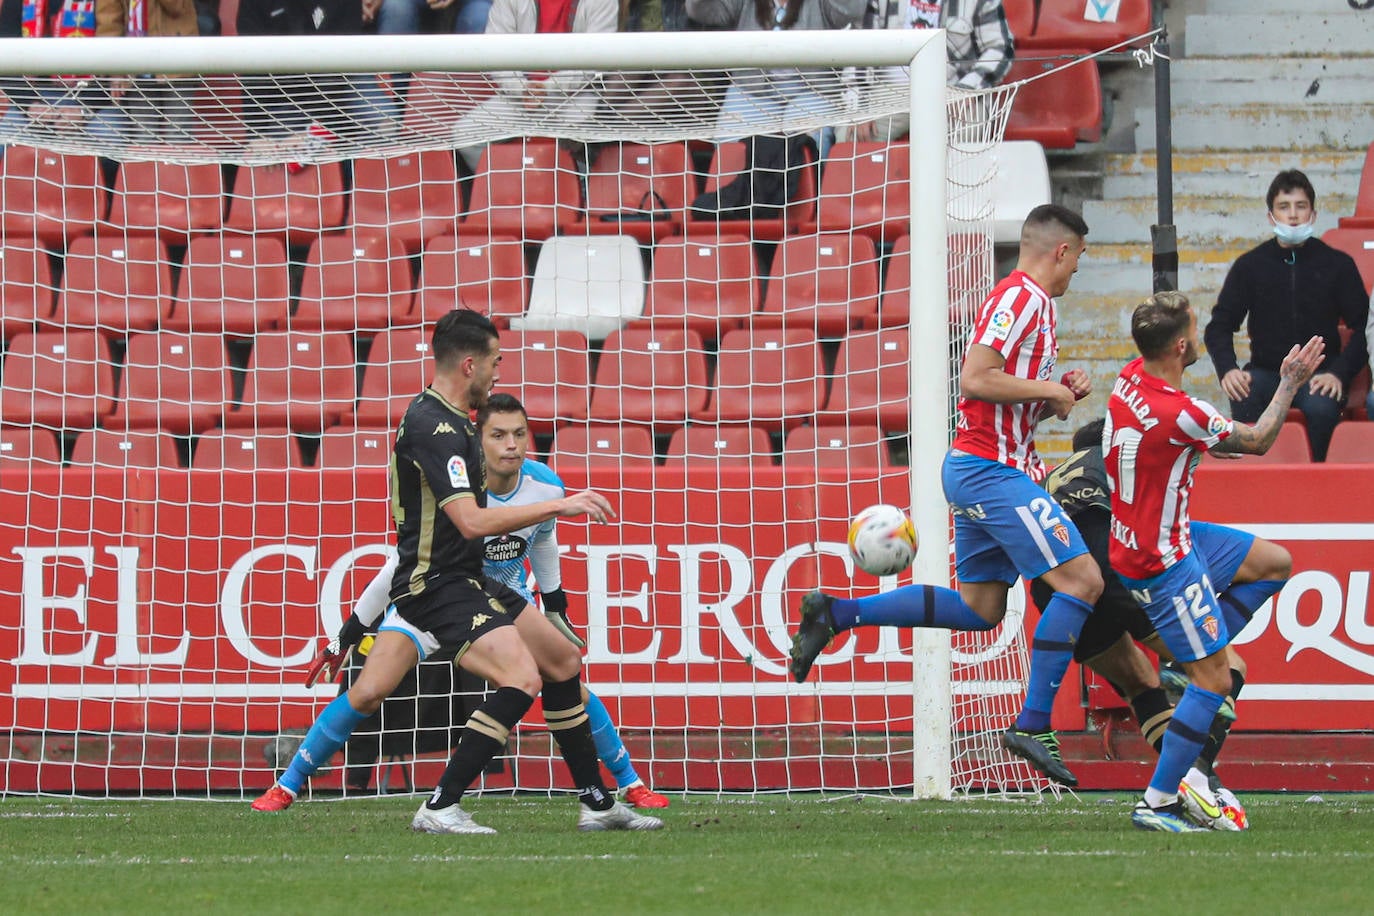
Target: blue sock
x=1184 y=738
x=908 y=606
x=1240 y=601
x=1051 y=652
x=609 y=747
x=324 y=739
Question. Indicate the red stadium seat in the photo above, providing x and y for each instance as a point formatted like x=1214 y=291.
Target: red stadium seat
x=358 y=280
x=653 y=377
x=1359 y=244
x=1057 y=111
x=1363 y=217
x=1351 y=443
x=399 y=366
x=352 y=447
x=707 y=285
x=526 y=189
x=836 y=447
x=1020 y=19
x=247 y=450
x=872 y=378
x=172 y=381
x=232 y=284
x=701 y=445
x=1064 y=24
x=167 y=199
x=1356 y=397
x=58 y=379
x=486 y=275
x=26 y=446
x=827 y=283
x=602 y=446
x=26 y=288
x=548 y=371
x=301 y=380
x=267 y=199
x=969 y=260
x=1289 y=448
x=412 y=197
x=115 y=283
x=769 y=377
x=110 y=448
x=866 y=188
x=638 y=180
x=727 y=164
x=47 y=198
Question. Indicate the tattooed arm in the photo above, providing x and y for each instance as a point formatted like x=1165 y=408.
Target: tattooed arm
x=1298 y=366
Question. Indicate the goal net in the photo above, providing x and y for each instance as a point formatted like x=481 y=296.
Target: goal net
x=721 y=303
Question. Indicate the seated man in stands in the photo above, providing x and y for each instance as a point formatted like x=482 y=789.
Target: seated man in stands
x=979 y=52
x=1290 y=288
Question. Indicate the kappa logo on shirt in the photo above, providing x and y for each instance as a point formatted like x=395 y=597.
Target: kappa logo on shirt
x=443 y=427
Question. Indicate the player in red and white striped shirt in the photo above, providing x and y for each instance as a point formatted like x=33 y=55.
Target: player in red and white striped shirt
x=1005 y=525
x=1154 y=437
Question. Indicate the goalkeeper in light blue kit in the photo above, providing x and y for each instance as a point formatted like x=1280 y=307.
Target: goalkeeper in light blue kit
x=512 y=480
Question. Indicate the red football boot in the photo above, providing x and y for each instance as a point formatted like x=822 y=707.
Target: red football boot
x=274 y=799
x=641 y=796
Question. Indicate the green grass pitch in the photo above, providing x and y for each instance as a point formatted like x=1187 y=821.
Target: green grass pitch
x=802 y=854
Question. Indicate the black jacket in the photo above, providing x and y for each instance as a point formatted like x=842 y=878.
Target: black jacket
x=300 y=17
x=1290 y=294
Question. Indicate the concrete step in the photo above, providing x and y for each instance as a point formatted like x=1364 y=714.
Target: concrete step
x=1243 y=7
x=1259 y=162
x=1240 y=183
x=1134 y=277
x=1269 y=80
x=1342 y=127
x=1288 y=33
x=1231 y=221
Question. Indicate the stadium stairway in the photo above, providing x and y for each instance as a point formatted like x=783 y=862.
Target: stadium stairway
x=1256 y=89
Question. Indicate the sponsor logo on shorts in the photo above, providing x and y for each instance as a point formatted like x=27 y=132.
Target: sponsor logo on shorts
x=478 y=620
x=1062 y=533
x=458 y=472
x=1210 y=626
x=975 y=511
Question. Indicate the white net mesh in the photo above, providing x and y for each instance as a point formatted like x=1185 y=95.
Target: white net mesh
x=217 y=294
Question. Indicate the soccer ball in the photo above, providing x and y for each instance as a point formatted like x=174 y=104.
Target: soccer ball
x=882 y=540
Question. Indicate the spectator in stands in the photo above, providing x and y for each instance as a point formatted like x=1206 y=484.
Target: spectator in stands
x=407 y=17
x=570 y=96
x=1291 y=287
x=760 y=97
x=146 y=108
x=979 y=51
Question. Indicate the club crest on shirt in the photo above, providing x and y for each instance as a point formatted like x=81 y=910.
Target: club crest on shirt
x=1062 y=534
x=1001 y=321
x=1210 y=626
x=458 y=472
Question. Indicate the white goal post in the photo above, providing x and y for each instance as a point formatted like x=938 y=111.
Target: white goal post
x=961 y=686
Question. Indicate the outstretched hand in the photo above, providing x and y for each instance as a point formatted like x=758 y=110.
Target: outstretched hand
x=589 y=503
x=1301 y=363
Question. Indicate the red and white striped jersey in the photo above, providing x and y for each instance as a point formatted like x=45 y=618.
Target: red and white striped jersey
x=1018 y=321
x=1154 y=437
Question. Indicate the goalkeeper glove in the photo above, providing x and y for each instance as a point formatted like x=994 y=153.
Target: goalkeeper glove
x=329 y=660
x=556 y=610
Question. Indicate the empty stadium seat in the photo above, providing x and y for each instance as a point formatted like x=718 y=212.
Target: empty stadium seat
x=267 y=199
x=413 y=196
x=653 y=377
x=708 y=285
x=47 y=197
x=169 y=200
x=116 y=283
x=872 y=378
x=770 y=377
x=399 y=366
x=827 y=283
x=549 y=372
x=1072 y=23
x=1056 y=111
x=135 y=448
x=172 y=381
x=58 y=379
x=866 y=188
x=594 y=285
x=602 y=445
x=486 y=275
x=26 y=287
x=247 y=450
x=232 y=284
x=1358 y=394
x=297 y=379
x=640 y=190
x=526 y=189
x=26 y=446
x=836 y=447
x=727 y=164
x=1363 y=217
x=358 y=280
x=969 y=261
x=701 y=445
x=1351 y=443
x=1359 y=244
x=1021 y=184
x=354 y=447
x=1289 y=448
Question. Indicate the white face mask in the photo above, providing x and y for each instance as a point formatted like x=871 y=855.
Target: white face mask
x=1293 y=235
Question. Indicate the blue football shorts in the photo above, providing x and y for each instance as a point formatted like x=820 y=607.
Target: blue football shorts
x=1223 y=550
x=1182 y=604
x=1005 y=524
